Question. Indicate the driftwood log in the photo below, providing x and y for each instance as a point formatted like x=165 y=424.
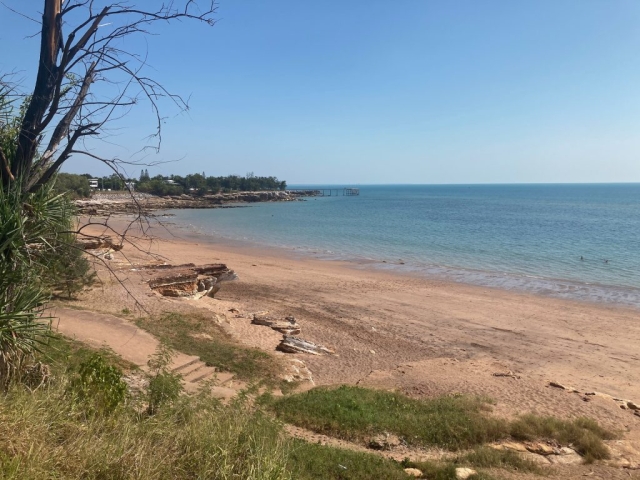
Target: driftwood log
x=290 y=344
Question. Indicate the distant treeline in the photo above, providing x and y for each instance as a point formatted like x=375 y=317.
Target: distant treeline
x=197 y=184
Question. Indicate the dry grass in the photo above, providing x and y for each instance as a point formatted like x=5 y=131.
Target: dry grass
x=50 y=435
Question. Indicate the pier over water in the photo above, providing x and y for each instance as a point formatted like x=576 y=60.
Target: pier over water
x=329 y=192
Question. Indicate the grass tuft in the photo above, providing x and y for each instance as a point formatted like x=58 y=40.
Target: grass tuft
x=584 y=434
x=309 y=461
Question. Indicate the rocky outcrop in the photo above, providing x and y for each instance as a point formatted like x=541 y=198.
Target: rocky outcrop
x=191 y=281
x=102 y=203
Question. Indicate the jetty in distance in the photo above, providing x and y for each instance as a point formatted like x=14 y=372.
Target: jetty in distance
x=328 y=192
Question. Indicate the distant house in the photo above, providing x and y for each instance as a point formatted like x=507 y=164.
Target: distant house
x=131 y=186
x=93 y=183
x=170 y=182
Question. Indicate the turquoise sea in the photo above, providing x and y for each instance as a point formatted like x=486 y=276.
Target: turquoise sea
x=573 y=241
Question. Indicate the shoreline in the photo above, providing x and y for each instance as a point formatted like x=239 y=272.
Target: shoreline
x=547 y=287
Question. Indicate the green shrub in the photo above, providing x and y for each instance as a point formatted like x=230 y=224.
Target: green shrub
x=99 y=385
x=164 y=386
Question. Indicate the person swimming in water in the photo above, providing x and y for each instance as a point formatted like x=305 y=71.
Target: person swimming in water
x=581 y=258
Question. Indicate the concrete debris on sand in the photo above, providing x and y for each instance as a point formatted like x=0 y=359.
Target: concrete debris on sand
x=287 y=326
x=190 y=281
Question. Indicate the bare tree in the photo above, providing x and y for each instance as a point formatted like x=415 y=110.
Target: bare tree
x=81 y=47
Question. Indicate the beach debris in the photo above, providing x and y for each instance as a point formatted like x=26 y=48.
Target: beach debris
x=463 y=473
x=633 y=406
x=191 y=281
x=413 y=472
x=290 y=344
x=563 y=387
x=86 y=242
x=509 y=374
x=384 y=441
x=288 y=326
x=234 y=310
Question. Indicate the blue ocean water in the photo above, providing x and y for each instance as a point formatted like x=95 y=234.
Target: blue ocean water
x=522 y=237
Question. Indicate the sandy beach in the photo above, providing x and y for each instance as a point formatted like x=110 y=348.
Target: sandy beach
x=420 y=336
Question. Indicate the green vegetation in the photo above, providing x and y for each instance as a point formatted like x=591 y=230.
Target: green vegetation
x=196 y=334
x=32 y=239
x=314 y=462
x=356 y=414
x=583 y=433
x=64 y=435
x=164 y=386
x=77 y=186
x=201 y=184
x=98 y=385
x=450 y=422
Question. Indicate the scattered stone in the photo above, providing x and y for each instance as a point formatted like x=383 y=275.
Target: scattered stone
x=509 y=374
x=234 y=310
x=384 y=441
x=637 y=413
x=633 y=406
x=464 y=473
x=290 y=344
x=413 y=472
x=108 y=256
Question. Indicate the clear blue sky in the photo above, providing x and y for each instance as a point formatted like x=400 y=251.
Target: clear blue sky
x=392 y=92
